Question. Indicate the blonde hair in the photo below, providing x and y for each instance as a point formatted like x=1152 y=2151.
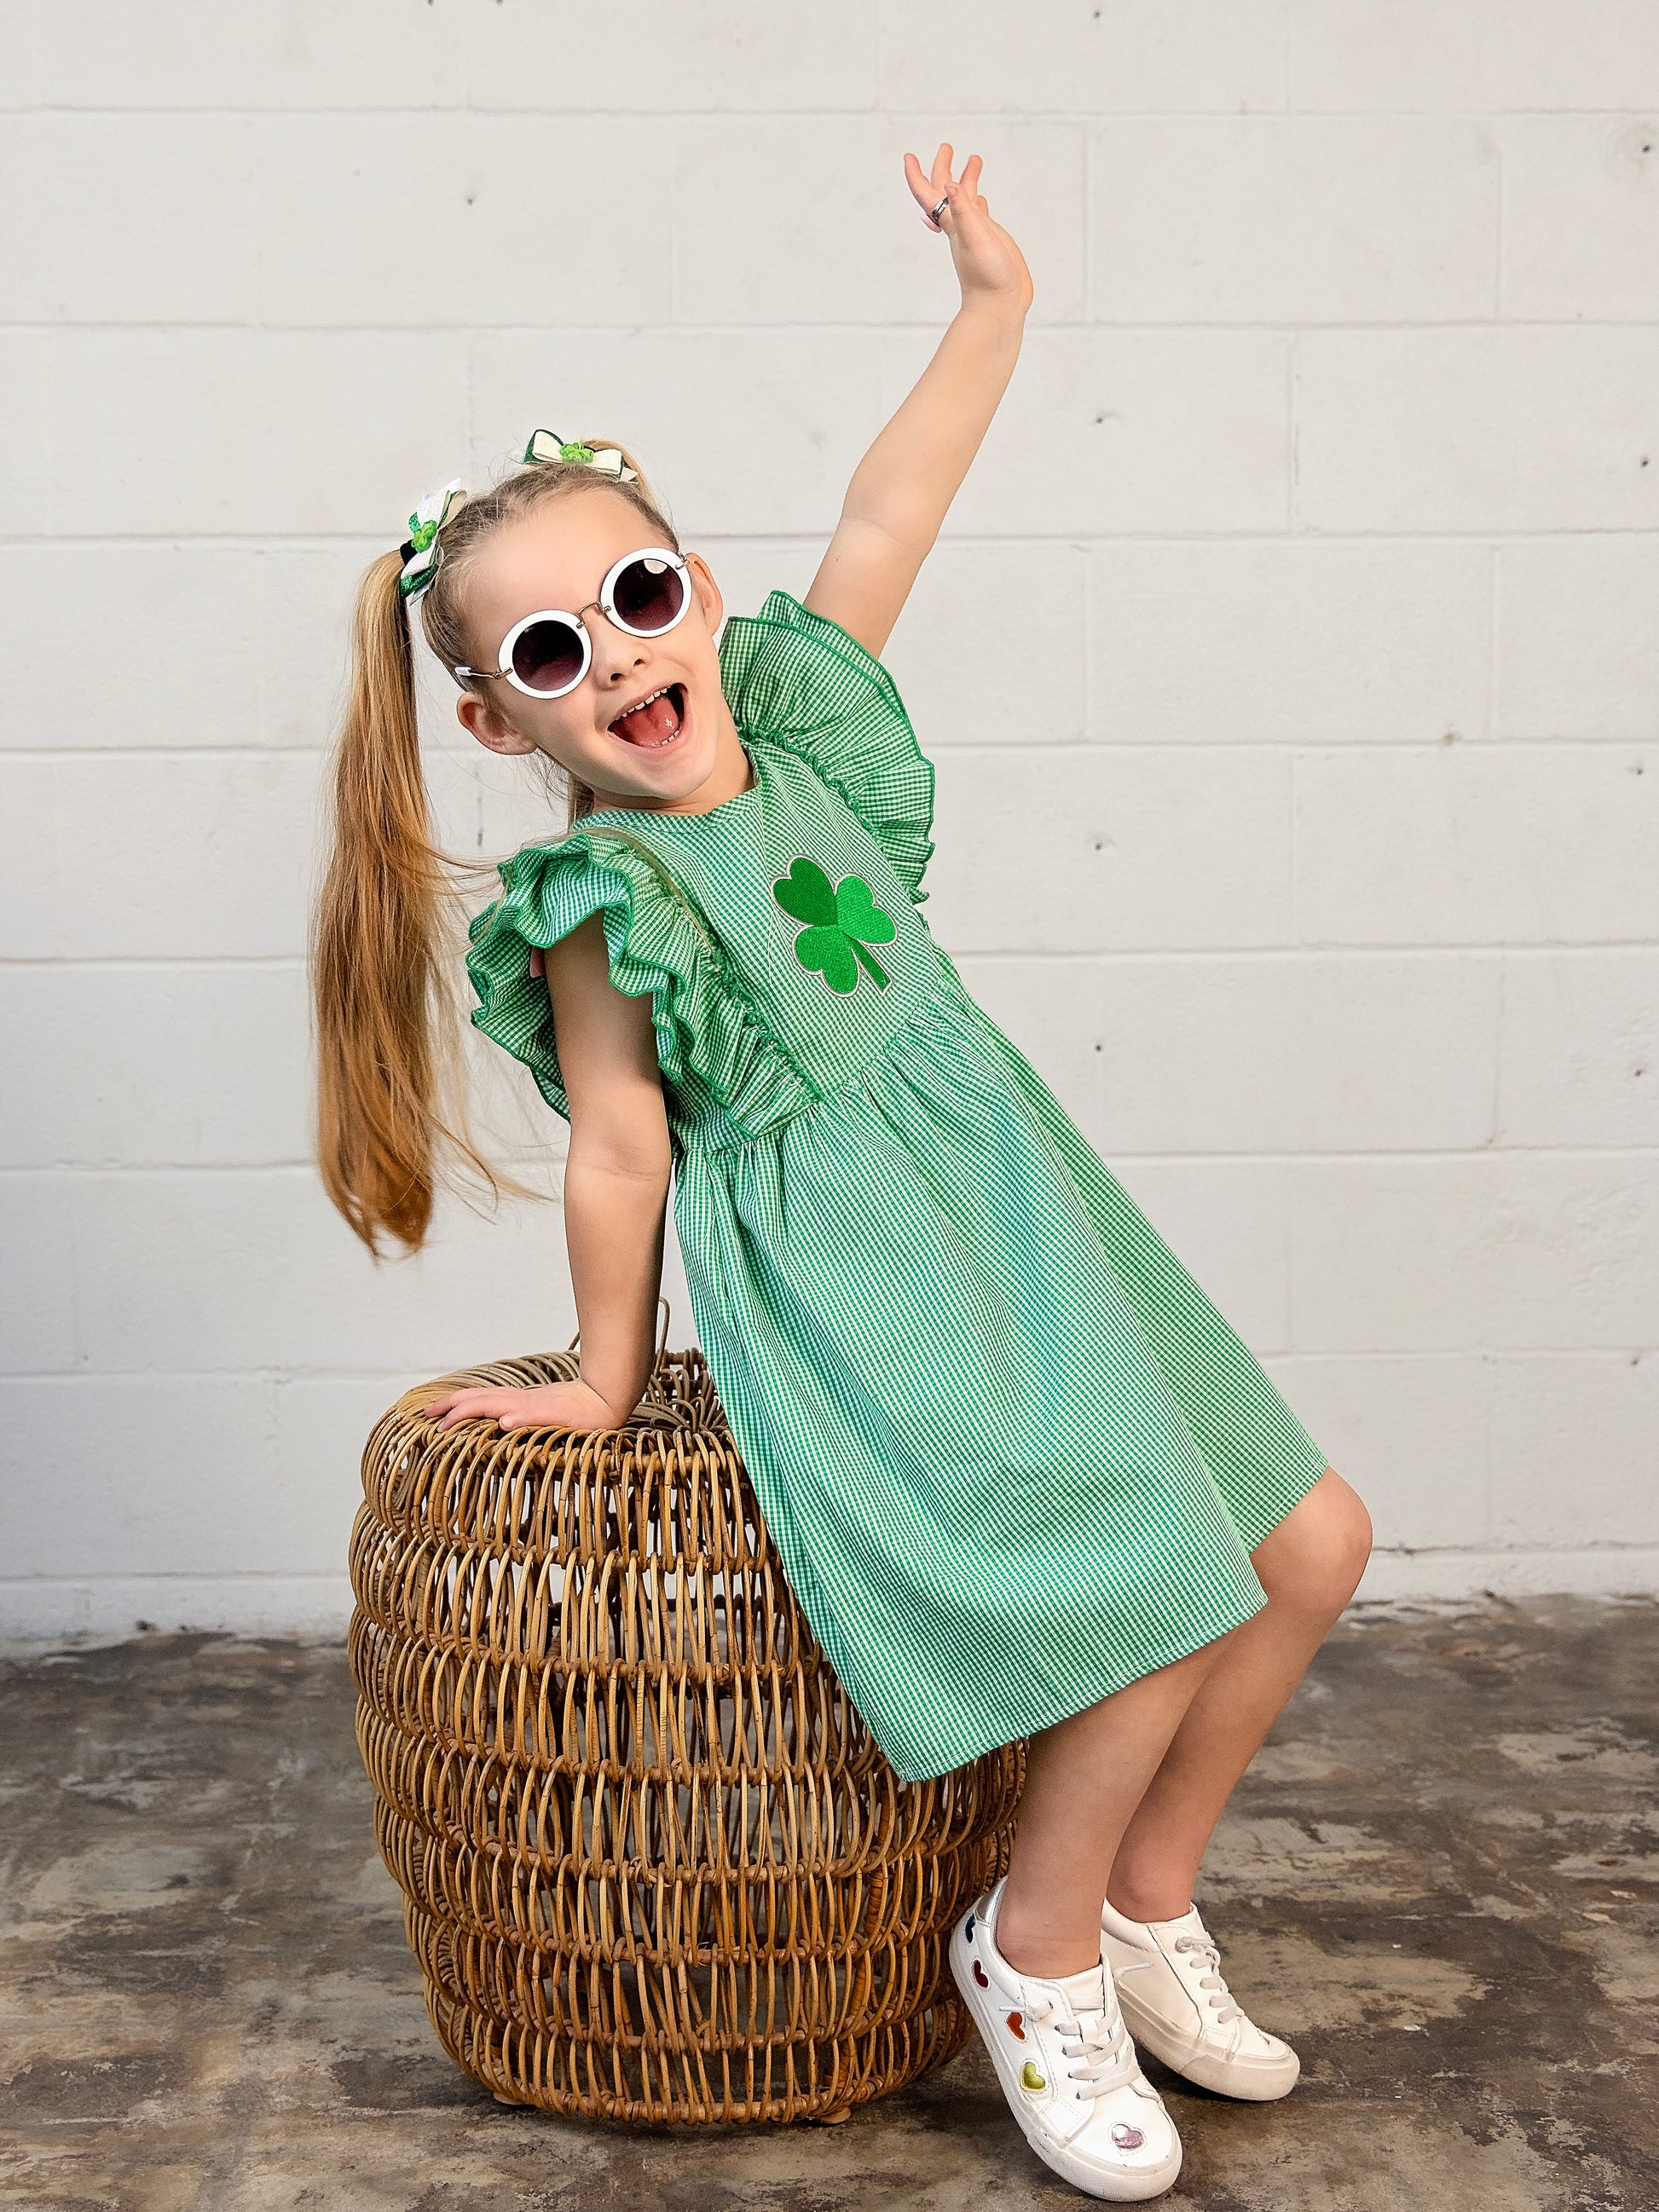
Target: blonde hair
x=389 y=1105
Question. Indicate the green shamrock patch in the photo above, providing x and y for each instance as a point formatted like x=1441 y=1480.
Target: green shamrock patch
x=842 y=919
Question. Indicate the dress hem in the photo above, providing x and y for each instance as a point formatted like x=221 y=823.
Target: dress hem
x=1304 y=1483
x=1070 y=1709
x=1069 y=1706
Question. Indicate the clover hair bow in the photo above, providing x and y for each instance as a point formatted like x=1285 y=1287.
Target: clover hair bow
x=548 y=446
x=421 y=550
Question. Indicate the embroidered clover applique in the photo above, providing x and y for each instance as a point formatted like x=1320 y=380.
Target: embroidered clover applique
x=842 y=919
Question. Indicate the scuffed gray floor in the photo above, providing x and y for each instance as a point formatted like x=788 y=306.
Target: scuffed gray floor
x=1439 y=1879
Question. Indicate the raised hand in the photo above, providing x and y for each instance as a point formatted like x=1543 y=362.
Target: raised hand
x=990 y=267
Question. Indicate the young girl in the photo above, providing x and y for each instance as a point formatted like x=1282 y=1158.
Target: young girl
x=1025 y=1479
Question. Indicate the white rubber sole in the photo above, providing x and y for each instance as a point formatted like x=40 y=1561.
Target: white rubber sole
x=1257 y=2085
x=1131 y=2188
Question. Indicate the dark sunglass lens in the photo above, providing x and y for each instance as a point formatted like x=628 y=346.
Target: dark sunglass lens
x=547 y=656
x=650 y=594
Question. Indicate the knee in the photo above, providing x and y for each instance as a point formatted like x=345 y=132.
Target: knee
x=1311 y=1562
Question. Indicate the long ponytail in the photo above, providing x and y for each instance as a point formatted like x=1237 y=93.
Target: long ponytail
x=386 y=932
x=383 y=927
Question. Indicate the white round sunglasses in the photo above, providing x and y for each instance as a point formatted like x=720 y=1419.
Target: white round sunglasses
x=548 y=653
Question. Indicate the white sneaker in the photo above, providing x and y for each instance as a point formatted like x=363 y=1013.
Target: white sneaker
x=1178 y=2006
x=1067 y=2066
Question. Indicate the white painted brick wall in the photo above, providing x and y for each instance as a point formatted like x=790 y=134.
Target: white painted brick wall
x=1289 y=662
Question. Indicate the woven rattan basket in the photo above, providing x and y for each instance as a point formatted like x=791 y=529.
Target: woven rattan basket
x=654 y=1866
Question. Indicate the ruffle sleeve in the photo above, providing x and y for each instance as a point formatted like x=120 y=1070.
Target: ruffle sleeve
x=799 y=680
x=715 y=1057
x=548 y=890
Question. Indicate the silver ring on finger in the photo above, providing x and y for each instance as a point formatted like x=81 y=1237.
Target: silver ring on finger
x=934 y=214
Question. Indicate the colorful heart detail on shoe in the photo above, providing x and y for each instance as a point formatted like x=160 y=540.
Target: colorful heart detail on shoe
x=1014 y=2028
x=1030 y=2078
x=968 y=1931
x=980 y=1976
x=1125 y=2138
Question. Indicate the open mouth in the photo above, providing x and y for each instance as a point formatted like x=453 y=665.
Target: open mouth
x=656 y=722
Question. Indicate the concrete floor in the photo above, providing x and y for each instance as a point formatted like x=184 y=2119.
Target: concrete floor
x=1440 y=1878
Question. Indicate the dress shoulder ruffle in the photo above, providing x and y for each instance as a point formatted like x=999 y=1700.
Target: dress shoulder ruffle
x=710 y=1044
x=799 y=680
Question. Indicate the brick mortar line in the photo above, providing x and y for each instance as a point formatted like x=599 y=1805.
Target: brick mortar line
x=1499 y=538
x=1057 y=955
x=1281 y=327
x=1100 y=120
x=1046 y=751
x=1435 y=1155
x=396 y=1379
x=1051 y=956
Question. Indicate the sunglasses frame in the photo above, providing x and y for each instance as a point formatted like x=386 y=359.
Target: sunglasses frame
x=607 y=606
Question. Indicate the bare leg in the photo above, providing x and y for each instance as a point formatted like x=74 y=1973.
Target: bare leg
x=1084 y=1779
x=1308 y=1566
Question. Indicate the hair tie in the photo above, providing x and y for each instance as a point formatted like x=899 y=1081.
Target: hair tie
x=421 y=550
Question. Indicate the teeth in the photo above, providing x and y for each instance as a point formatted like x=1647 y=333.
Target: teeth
x=654 y=744
x=638 y=703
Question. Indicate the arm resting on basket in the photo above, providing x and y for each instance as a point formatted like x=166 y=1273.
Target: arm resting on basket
x=617 y=1171
x=615 y=1189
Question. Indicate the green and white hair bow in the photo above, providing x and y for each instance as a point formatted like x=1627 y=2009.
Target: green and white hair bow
x=421 y=551
x=548 y=446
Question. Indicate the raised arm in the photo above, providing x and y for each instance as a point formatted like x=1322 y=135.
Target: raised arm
x=902 y=488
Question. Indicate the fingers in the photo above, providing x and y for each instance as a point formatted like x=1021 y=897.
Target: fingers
x=451 y=1411
x=938 y=185
x=453 y=1407
x=926 y=193
x=484 y=1403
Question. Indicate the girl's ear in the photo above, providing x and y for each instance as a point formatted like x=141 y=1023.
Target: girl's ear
x=708 y=591
x=491 y=729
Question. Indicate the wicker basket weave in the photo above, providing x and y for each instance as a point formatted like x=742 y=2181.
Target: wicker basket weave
x=654 y=1868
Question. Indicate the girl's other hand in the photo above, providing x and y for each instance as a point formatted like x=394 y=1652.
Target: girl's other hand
x=990 y=267
x=549 y=1406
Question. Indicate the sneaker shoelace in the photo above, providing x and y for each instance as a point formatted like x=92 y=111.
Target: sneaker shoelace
x=1103 y=2040
x=1205 y=1966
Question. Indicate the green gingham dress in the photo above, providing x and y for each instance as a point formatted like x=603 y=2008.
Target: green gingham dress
x=1011 y=1455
